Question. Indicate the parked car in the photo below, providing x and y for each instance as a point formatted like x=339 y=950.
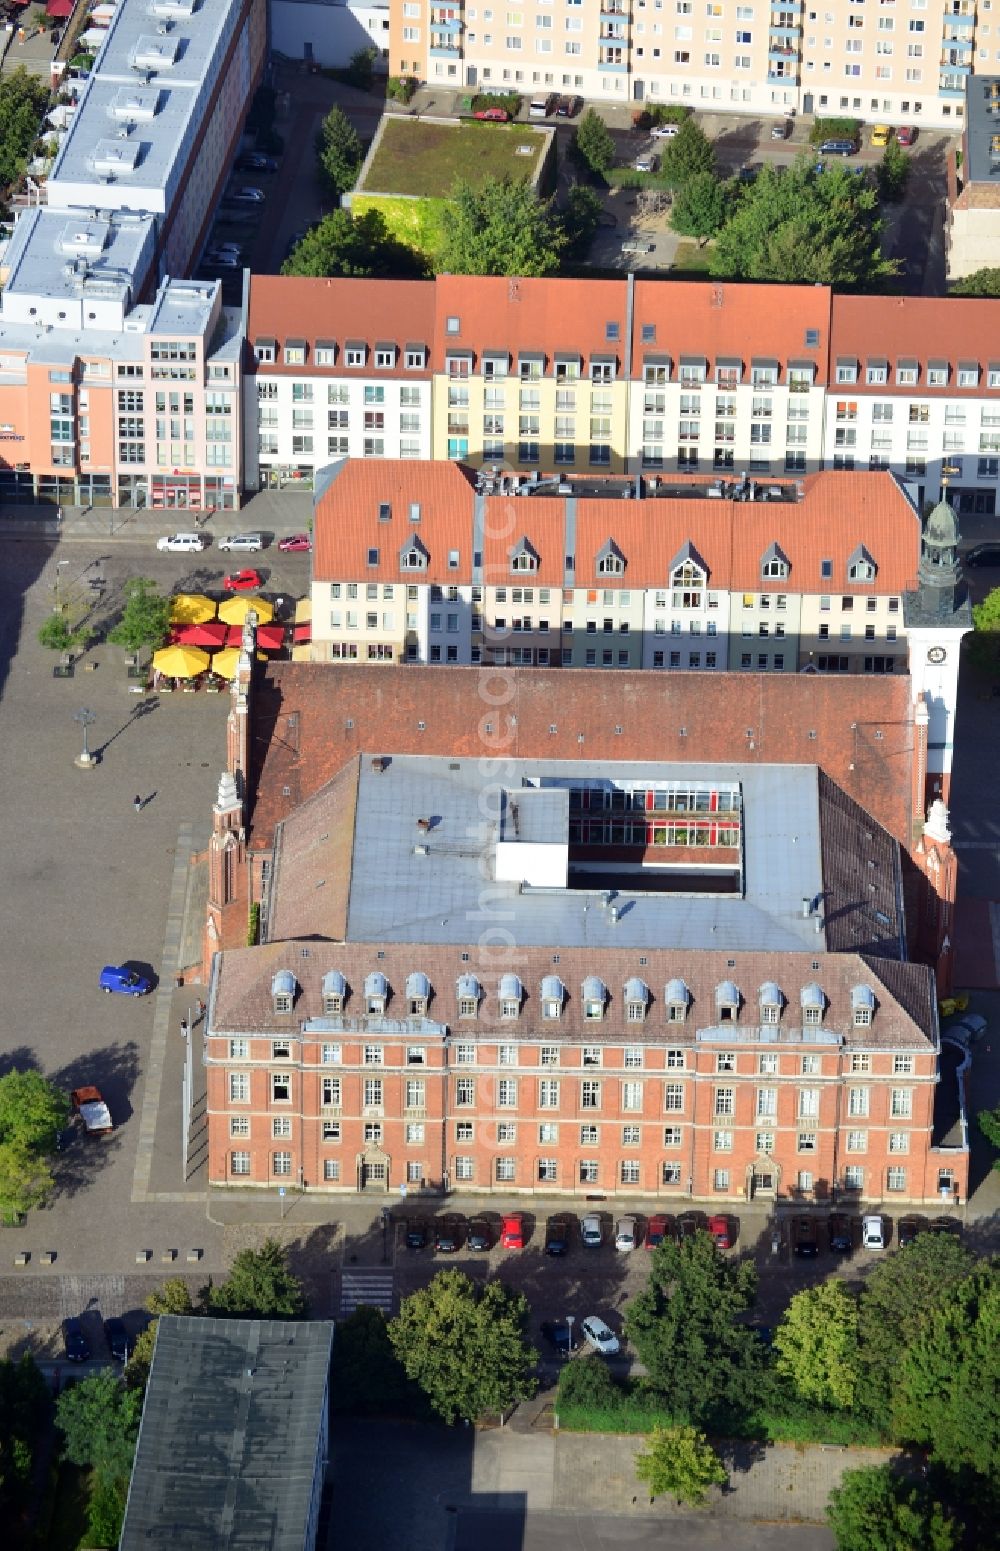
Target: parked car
x=840 y=1233
x=591 y=1232
x=246 y=196
x=781 y=130
x=250 y=543
x=181 y=543
x=568 y=107
x=838 y=148
x=688 y=1224
x=242 y=581
x=296 y=541
x=256 y=161
x=873 y=1234
x=945 y=1225
x=805 y=1240
x=664 y=131
x=479 y=1237
x=75 y=1343
x=907 y=1230
x=447 y=1235
x=720 y=1228
x=748 y=173
x=119 y=980
x=626 y=1233
x=658 y=1228
x=557 y=1334
x=556 y=1236
x=222 y=261
x=116 y=1336
x=881 y=135
x=970 y=1028
x=599 y=1335
x=88 y=1103
x=647 y=162
x=233 y=249
x=905 y=134
x=540 y=107
x=512 y=1231
x=983 y=554
x=637 y=245
x=492 y=115
x=416 y=1233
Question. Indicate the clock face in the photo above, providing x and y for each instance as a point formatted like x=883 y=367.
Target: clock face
x=936 y=654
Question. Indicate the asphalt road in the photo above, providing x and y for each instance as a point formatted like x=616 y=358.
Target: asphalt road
x=485 y=1531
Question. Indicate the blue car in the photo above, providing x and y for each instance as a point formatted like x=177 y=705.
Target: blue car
x=124 y=981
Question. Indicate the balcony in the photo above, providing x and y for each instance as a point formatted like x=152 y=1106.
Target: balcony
x=959 y=45
x=780 y=52
x=445 y=24
x=440 y=48
x=613 y=63
x=415 y=1112
x=954 y=68
x=613 y=8
x=786 y=77
x=331 y=1111
x=966 y=20
x=614 y=32
x=787 y=34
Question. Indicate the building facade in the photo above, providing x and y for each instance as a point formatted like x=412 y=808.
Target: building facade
x=771 y=59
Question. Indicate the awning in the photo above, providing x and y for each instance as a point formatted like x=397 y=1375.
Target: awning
x=303 y=632
x=61 y=8
x=270 y=637
x=211 y=633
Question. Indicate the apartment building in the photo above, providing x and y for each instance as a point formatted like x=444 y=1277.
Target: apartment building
x=905 y=63
x=972 y=229
x=621 y=1046
x=339 y=370
x=432 y=563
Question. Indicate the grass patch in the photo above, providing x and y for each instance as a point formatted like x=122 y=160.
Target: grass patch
x=637 y=1411
x=425 y=159
x=418 y=223
x=691 y=260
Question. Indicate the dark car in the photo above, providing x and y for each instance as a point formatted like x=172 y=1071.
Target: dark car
x=76 y=1343
x=805 y=1240
x=838 y=148
x=905 y=134
x=983 y=554
x=256 y=161
x=416 y=1233
x=568 y=107
x=478 y=1237
x=556 y=1236
x=945 y=1225
x=116 y=1336
x=841 y=1237
x=907 y=1229
x=557 y=1334
x=658 y=1228
x=688 y=1224
x=447 y=1235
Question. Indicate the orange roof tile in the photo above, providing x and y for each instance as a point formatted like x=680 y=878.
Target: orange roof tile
x=718 y=320
x=916 y=328
x=516 y=315
x=399 y=312
x=347 y=521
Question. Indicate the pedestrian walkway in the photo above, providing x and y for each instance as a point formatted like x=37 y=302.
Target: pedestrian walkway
x=373 y=1288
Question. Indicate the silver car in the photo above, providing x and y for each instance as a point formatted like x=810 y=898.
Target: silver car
x=591 y=1233
x=600 y=1336
x=626 y=1233
x=248 y=543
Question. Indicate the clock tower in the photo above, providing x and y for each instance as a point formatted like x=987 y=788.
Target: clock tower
x=937 y=614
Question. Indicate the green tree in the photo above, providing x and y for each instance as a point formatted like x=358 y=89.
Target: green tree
x=99 y=1421
x=682 y=1325
x=893 y=173
x=106 y=1512
x=360 y=71
x=145 y=621
x=346 y=244
x=804 y=227
x=500 y=228
x=587 y=1384
x=984 y=648
x=172 y=1297
x=367 y=1376
x=465 y=1346
x=59 y=635
x=988 y=1121
x=259 y=1286
x=24 y=1407
x=872 y=1510
x=982 y=282
x=22 y=102
x=699 y=207
x=25 y=1180
x=948 y=1396
x=690 y=152
x=32 y=1110
x=581 y=217
x=339 y=151
x=896 y=1301
x=816 y=1345
x=679 y=1462
x=594 y=143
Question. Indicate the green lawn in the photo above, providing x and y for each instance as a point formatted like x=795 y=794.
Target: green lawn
x=415 y=222
x=691 y=260
x=425 y=159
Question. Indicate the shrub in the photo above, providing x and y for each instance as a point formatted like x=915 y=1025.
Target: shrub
x=401 y=87
x=834 y=129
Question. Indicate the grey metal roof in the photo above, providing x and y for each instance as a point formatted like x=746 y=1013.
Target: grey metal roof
x=448 y=891
x=636 y=990
x=232 y=1442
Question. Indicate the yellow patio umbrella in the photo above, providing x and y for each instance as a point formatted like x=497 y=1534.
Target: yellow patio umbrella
x=224 y=663
x=181 y=662
x=303 y=611
x=191 y=608
x=235 y=610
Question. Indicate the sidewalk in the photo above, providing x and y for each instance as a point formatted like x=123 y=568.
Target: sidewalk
x=276 y=512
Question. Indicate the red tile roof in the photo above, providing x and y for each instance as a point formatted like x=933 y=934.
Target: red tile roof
x=518 y=315
x=915 y=328
x=399 y=312
x=347 y=522
x=746 y=322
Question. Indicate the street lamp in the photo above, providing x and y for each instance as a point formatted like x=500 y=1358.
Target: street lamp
x=85 y=759
x=569 y=1337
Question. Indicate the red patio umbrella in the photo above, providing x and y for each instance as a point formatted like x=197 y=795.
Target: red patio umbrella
x=270 y=638
x=59 y=8
x=212 y=633
x=303 y=632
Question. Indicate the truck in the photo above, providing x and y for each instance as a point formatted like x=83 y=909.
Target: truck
x=90 y=1106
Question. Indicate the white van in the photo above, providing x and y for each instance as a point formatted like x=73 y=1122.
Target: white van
x=181 y=543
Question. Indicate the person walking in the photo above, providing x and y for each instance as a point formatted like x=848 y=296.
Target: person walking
x=137 y=804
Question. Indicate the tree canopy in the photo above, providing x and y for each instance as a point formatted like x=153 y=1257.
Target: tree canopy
x=682 y=1326
x=32 y=1113
x=24 y=1407
x=99 y=1419
x=816 y=1345
x=988 y=1121
x=872 y=1510
x=581 y=217
x=679 y=1462
x=803 y=226
x=985 y=644
x=594 y=142
x=260 y=1285
x=347 y=244
x=145 y=621
x=699 y=207
x=22 y=102
x=689 y=153
x=982 y=282
x=465 y=1346
x=499 y=228
x=339 y=151
x=367 y=1376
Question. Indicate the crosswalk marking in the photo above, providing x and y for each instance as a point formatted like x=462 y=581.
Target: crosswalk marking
x=374 y=1288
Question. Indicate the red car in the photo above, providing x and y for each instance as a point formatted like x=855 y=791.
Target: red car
x=243 y=581
x=905 y=134
x=512 y=1232
x=494 y=115
x=721 y=1231
x=658 y=1228
x=296 y=541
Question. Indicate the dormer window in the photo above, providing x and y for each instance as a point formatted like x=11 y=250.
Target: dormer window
x=678 y=999
x=727 y=1001
x=413 y=556
x=610 y=560
x=265 y=350
x=553 y=996
x=813 y=1005
x=415 y=357
x=376 y=994
x=355 y=352
x=283 y=988
x=295 y=352
x=334 y=994
x=636 y=999
x=863 y=1005
x=523 y=557
x=602 y=368
x=861 y=567
x=567 y=368
x=774 y=565
x=418 y=992
x=771 y=1002
x=530 y=367
x=594 y=998
x=469 y=994
x=385 y=357
x=510 y=995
